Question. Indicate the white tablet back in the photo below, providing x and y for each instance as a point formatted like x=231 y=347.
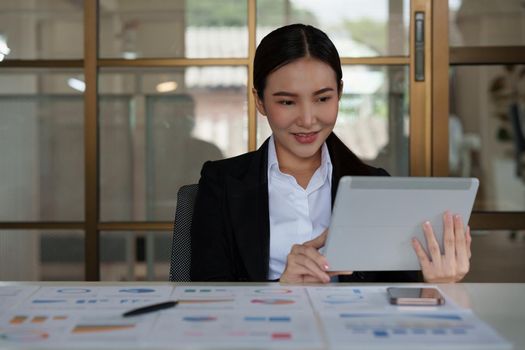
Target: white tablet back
x=374 y=219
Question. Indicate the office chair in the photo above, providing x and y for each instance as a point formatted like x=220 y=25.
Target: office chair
x=181 y=245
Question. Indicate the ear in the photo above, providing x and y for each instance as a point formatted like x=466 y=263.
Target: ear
x=258 y=103
x=340 y=89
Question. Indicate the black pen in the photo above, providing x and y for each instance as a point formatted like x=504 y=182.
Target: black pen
x=150 y=308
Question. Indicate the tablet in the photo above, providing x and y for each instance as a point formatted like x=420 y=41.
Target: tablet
x=375 y=218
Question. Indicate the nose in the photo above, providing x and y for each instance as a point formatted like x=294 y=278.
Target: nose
x=306 y=117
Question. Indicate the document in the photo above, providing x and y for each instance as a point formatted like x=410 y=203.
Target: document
x=411 y=330
x=240 y=298
x=234 y=317
x=96 y=297
x=271 y=329
x=363 y=318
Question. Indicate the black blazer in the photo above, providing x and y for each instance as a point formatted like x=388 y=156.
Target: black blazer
x=230 y=233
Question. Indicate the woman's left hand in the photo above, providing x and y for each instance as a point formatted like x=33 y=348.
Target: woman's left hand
x=454 y=264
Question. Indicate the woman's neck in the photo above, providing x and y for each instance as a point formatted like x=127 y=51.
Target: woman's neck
x=302 y=169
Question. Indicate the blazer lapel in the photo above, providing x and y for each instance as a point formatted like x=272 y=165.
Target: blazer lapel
x=249 y=215
x=344 y=162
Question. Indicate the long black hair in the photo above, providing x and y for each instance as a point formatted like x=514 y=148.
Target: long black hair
x=289 y=43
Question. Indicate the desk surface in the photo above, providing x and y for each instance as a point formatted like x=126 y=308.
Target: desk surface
x=501 y=306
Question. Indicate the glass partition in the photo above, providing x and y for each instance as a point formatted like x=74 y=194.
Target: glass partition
x=486 y=23
x=497 y=257
x=41 y=255
x=486 y=128
x=135 y=256
x=42 y=142
x=158 y=127
x=52 y=29
x=358 y=28
x=178 y=28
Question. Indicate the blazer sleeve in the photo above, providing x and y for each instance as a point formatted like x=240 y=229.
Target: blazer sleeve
x=211 y=257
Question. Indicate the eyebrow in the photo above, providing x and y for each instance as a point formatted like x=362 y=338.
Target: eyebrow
x=285 y=93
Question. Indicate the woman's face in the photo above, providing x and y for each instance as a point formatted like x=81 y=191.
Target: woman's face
x=301 y=102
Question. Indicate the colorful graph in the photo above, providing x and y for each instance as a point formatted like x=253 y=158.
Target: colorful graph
x=281 y=336
x=204 y=301
x=206 y=290
x=268 y=319
x=48 y=301
x=73 y=290
x=388 y=325
x=100 y=328
x=137 y=290
x=23 y=335
x=18 y=320
x=40 y=319
x=194 y=290
x=200 y=318
x=91 y=301
x=273 y=291
x=273 y=301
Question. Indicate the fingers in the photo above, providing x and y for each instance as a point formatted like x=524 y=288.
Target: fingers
x=460 y=239
x=449 y=239
x=424 y=261
x=462 y=256
x=306 y=260
x=312 y=254
x=454 y=264
x=319 y=241
x=432 y=244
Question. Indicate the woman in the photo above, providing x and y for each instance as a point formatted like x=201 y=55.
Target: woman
x=263 y=215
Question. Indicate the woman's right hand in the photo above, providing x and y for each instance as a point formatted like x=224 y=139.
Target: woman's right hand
x=305 y=264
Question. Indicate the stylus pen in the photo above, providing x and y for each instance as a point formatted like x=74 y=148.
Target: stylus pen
x=150 y=308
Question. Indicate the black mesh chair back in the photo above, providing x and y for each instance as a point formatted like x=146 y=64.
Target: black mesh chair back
x=181 y=245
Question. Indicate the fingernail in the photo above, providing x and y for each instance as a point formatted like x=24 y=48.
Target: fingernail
x=427 y=223
x=326 y=267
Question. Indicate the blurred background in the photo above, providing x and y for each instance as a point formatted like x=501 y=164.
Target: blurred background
x=173 y=92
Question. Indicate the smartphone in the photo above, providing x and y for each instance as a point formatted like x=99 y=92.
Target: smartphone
x=415 y=296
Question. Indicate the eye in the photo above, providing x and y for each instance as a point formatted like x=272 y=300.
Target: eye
x=323 y=98
x=285 y=102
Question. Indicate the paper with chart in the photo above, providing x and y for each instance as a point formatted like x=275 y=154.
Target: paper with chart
x=269 y=316
x=414 y=330
x=361 y=317
x=215 y=317
x=240 y=298
x=240 y=317
x=91 y=298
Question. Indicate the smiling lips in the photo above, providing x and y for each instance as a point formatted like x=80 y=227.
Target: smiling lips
x=306 y=138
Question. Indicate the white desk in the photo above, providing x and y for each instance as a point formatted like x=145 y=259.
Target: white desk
x=499 y=305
